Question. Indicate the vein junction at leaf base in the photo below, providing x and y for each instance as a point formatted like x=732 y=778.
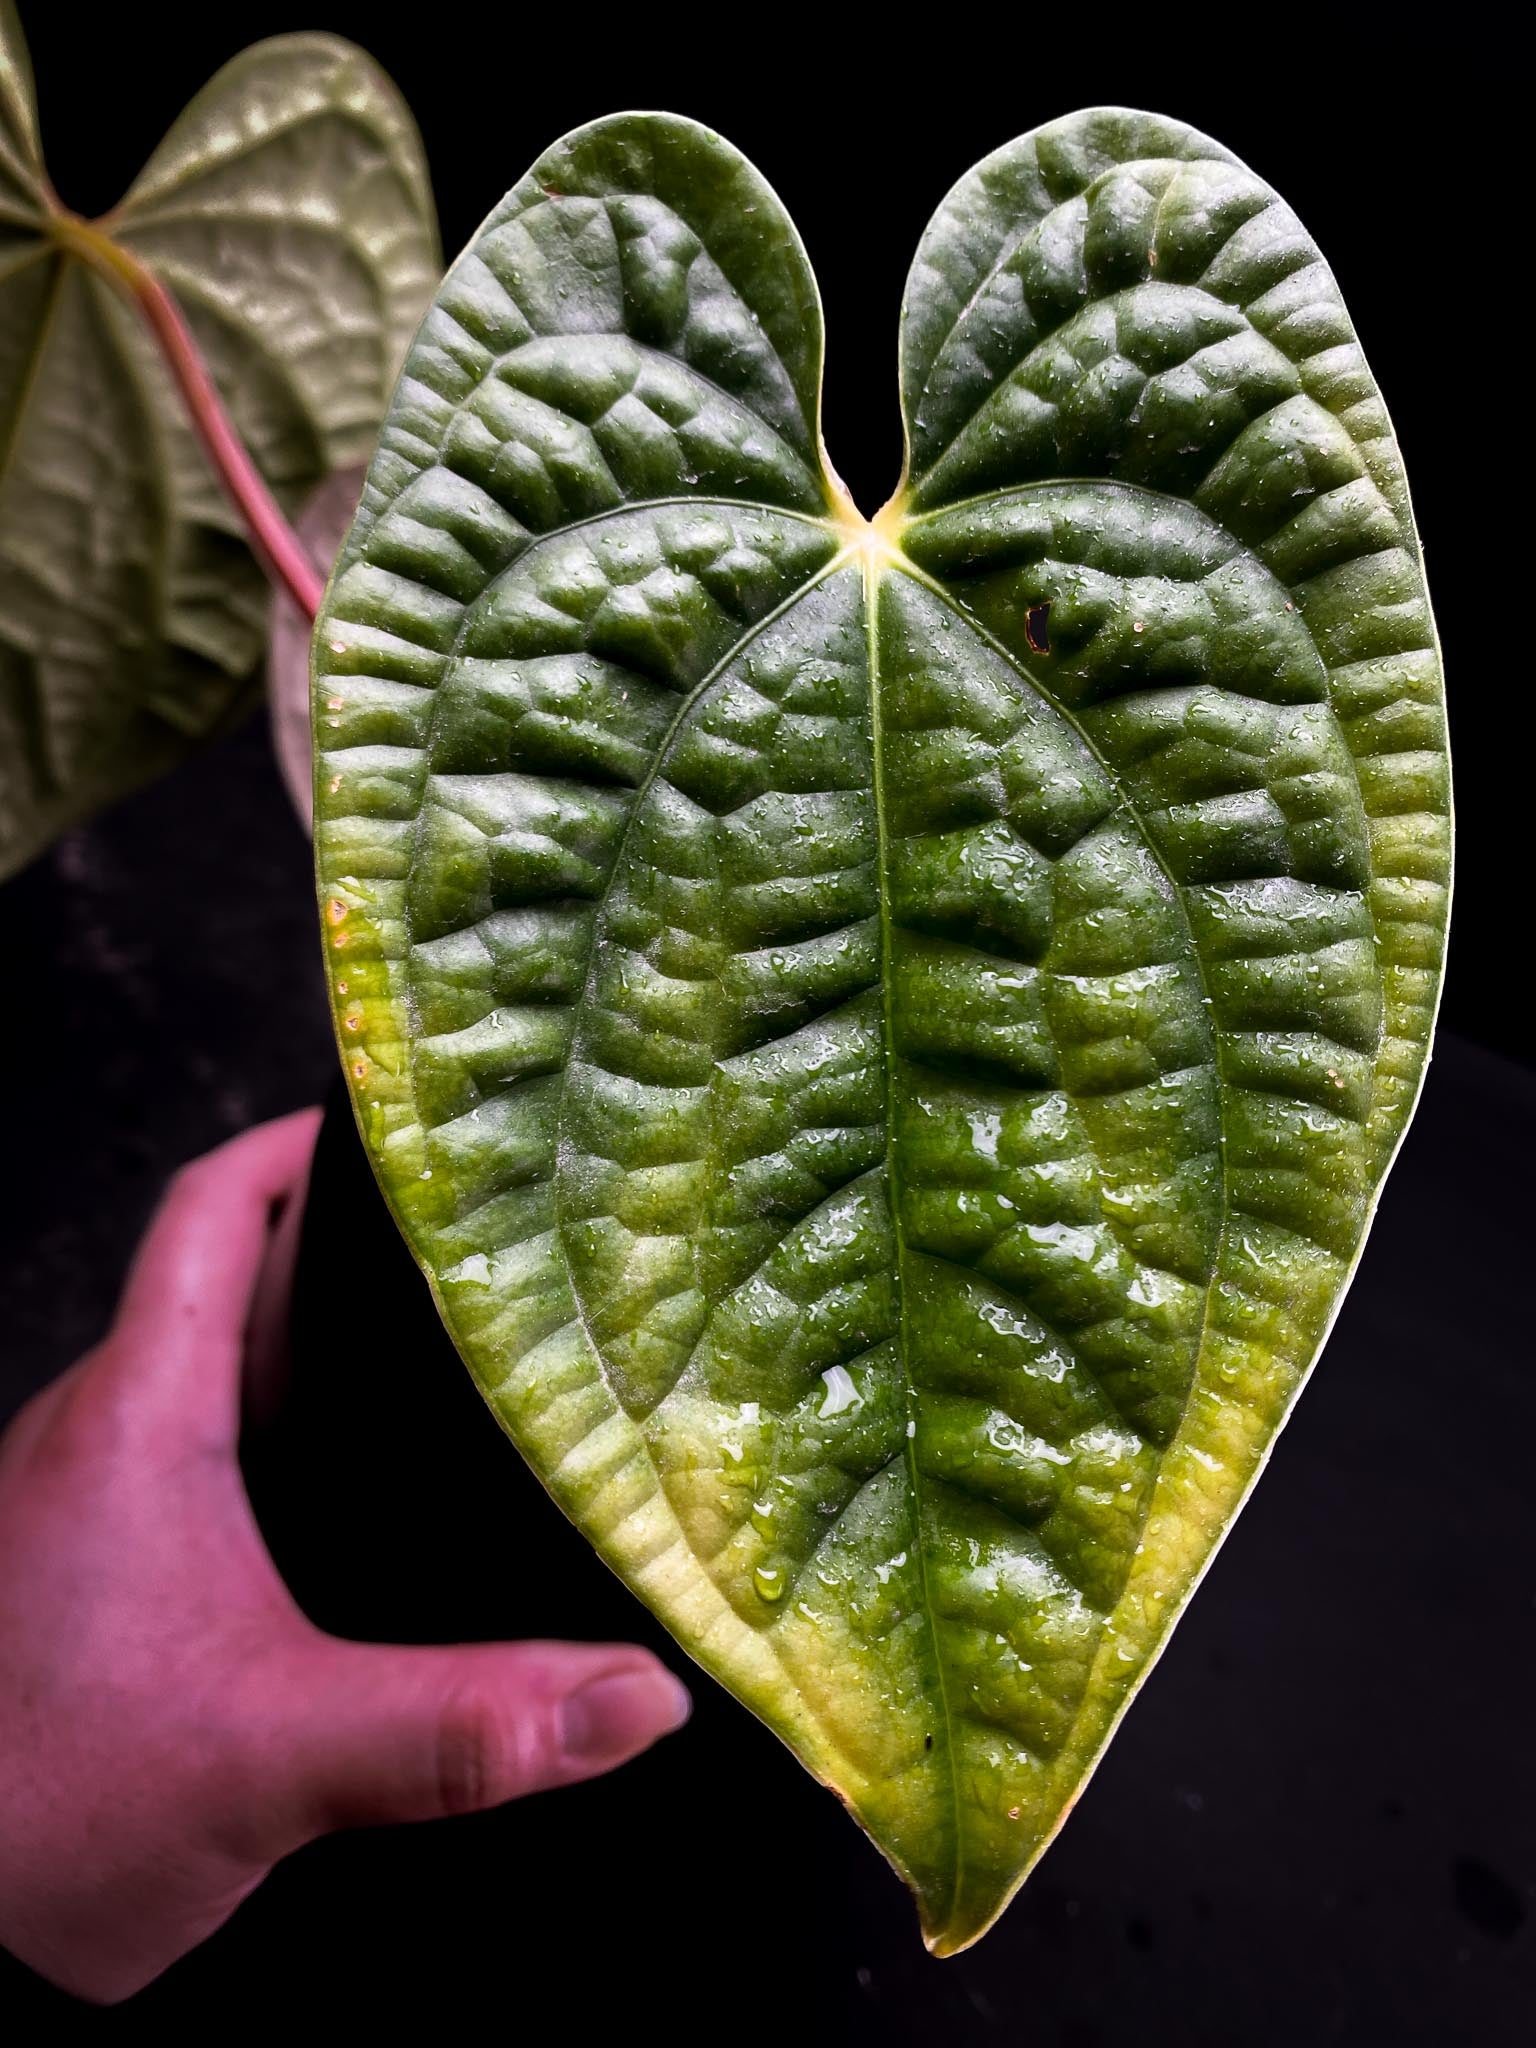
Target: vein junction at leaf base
x=885 y=1037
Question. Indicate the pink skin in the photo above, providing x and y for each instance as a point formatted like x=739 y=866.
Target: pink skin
x=170 y=1724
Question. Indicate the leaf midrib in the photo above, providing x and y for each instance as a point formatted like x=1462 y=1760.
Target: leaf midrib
x=872 y=573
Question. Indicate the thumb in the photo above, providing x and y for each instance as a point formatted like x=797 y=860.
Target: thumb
x=382 y=1734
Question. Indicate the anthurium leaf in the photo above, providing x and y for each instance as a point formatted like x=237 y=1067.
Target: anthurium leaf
x=885 y=1036
x=321 y=524
x=289 y=213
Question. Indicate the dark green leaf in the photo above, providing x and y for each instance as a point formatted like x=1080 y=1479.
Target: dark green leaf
x=885 y=1036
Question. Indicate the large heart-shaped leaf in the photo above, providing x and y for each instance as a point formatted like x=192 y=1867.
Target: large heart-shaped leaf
x=885 y=1037
x=288 y=210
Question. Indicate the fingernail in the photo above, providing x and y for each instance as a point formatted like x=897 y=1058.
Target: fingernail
x=616 y=1715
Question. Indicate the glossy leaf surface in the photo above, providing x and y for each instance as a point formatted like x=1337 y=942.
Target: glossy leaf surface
x=289 y=213
x=885 y=1037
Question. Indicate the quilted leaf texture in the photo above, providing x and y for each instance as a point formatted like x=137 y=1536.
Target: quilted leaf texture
x=885 y=1036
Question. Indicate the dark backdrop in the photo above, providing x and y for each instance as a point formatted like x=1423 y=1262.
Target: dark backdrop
x=1317 y=1824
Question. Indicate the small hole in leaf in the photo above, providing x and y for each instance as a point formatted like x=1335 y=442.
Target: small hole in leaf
x=1037 y=627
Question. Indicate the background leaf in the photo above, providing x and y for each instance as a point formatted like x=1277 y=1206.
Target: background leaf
x=289 y=212
x=885 y=1037
x=322 y=526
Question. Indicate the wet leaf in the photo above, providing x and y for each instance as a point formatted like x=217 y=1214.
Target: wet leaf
x=288 y=210
x=885 y=1037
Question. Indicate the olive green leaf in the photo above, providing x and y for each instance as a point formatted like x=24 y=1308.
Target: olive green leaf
x=288 y=212
x=321 y=524
x=885 y=1036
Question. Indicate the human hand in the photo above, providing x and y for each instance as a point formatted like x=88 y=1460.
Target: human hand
x=170 y=1723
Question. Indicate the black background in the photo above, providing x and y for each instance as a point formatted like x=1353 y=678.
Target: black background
x=1317 y=1823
